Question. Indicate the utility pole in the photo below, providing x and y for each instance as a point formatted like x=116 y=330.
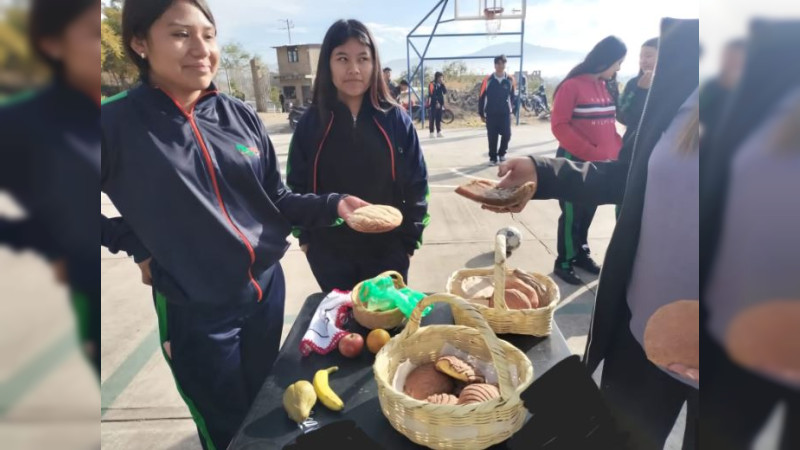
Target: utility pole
x=288 y=25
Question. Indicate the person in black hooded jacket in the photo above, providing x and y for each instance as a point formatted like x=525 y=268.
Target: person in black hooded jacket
x=631 y=102
x=748 y=269
x=356 y=139
x=644 y=398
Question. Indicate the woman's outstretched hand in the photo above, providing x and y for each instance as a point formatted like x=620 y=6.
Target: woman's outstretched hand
x=349 y=204
x=514 y=172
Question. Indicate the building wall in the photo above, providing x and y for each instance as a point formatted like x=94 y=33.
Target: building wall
x=298 y=75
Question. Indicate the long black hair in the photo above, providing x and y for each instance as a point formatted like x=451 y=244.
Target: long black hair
x=604 y=54
x=325 y=93
x=50 y=19
x=137 y=18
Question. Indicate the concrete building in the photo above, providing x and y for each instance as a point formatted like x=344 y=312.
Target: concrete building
x=297 y=69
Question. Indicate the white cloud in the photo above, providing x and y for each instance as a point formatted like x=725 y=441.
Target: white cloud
x=578 y=24
x=384 y=32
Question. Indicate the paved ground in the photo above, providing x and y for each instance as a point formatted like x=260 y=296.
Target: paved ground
x=140 y=405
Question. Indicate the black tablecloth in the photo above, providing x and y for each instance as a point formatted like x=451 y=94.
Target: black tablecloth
x=267 y=426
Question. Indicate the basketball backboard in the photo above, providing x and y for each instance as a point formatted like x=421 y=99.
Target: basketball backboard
x=498 y=9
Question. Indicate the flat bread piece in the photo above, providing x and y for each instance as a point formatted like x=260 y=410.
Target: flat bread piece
x=486 y=192
x=375 y=219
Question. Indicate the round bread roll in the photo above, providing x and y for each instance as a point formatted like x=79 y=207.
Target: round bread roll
x=425 y=381
x=527 y=290
x=458 y=369
x=766 y=337
x=514 y=300
x=478 y=392
x=443 y=399
x=375 y=219
x=672 y=334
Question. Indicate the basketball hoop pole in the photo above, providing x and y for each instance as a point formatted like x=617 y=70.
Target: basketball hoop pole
x=440 y=7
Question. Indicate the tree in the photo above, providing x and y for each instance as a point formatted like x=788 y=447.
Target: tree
x=20 y=66
x=233 y=57
x=455 y=69
x=113 y=60
x=111 y=44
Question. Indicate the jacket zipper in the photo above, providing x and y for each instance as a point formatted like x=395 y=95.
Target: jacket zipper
x=325 y=137
x=319 y=150
x=391 y=147
x=212 y=174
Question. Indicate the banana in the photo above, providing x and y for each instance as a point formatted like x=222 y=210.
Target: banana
x=324 y=391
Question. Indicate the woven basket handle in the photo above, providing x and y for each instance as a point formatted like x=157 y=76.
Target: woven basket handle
x=475 y=320
x=499 y=294
x=396 y=277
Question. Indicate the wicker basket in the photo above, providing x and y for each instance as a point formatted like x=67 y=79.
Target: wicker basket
x=387 y=320
x=471 y=426
x=534 y=322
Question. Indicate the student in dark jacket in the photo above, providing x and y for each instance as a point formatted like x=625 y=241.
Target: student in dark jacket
x=393 y=89
x=751 y=297
x=652 y=258
x=495 y=106
x=204 y=212
x=50 y=155
x=436 y=93
x=631 y=103
x=583 y=121
x=355 y=139
x=716 y=93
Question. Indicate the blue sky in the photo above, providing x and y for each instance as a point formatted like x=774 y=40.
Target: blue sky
x=565 y=24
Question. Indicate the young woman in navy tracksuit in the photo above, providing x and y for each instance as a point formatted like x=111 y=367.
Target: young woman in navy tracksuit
x=355 y=139
x=203 y=210
x=54 y=175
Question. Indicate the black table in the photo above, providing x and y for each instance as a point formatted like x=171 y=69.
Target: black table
x=268 y=427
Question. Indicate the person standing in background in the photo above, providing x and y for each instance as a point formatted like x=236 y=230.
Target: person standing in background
x=631 y=103
x=495 y=105
x=715 y=94
x=394 y=91
x=584 y=122
x=436 y=93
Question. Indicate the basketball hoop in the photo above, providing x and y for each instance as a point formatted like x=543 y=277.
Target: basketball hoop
x=492 y=15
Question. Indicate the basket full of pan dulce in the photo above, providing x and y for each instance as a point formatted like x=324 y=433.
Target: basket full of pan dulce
x=513 y=301
x=452 y=386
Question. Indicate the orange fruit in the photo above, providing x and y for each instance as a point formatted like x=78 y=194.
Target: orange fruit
x=376 y=339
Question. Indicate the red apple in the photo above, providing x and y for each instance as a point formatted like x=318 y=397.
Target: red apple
x=351 y=345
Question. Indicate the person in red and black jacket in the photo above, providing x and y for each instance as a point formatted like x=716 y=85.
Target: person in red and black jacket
x=356 y=139
x=495 y=106
x=203 y=211
x=584 y=122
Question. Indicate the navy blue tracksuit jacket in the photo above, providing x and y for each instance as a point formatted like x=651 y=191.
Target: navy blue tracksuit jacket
x=201 y=193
